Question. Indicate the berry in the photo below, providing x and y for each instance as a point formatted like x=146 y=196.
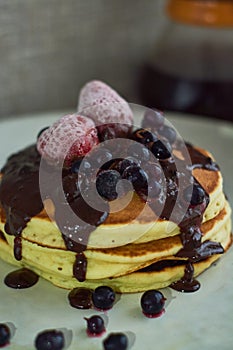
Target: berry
x=103 y=297
x=169 y=133
x=95 y=325
x=50 y=340
x=125 y=163
x=110 y=112
x=116 y=341
x=153 y=119
x=194 y=194
x=5 y=334
x=139 y=152
x=71 y=137
x=152 y=303
x=144 y=136
x=136 y=176
x=159 y=150
x=106 y=183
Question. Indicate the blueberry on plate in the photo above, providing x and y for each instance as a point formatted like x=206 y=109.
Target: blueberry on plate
x=152 y=303
x=50 y=340
x=116 y=341
x=95 y=325
x=103 y=297
x=5 y=334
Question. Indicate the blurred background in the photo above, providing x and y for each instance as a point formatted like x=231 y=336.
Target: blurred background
x=49 y=49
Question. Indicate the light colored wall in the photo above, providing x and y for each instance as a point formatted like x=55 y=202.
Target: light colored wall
x=50 y=48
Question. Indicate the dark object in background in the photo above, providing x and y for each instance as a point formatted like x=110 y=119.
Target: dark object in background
x=191 y=68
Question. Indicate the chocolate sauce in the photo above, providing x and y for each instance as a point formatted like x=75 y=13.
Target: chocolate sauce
x=2 y=237
x=18 y=248
x=199 y=160
x=21 y=279
x=80 y=298
x=80 y=267
x=188 y=283
x=21 y=200
x=189 y=222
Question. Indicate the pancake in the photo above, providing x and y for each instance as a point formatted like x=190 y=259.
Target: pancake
x=116 y=265
x=133 y=249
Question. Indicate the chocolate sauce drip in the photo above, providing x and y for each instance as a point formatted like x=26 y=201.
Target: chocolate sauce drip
x=81 y=298
x=77 y=228
x=199 y=160
x=162 y=264
x=21 y=279
x=18 y=248
x=80 y=267
x=189 y=222
x=21 y=200
x=19 y=193
x=2 y=236
x=187 y=284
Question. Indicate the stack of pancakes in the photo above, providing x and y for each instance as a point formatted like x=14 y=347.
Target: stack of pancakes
x=131 y=251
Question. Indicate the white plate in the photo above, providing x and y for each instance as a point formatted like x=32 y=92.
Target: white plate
x=201 y=320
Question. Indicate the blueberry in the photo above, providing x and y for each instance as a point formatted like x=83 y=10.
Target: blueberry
x=194 y=194
x=106 y=182
x=5 y=334
x=139 y=152
x=160 y=150
x=50 y=340
x=125 y=163
x=153 y=119
x=41 y=132
x=136 y=176
x=169 y=133
x=103 y=297
x=76 y=165
x=95 y=325
x=152 y=303
x=144 y=136
x=116 y=341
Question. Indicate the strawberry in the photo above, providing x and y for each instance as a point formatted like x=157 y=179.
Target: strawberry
x=106 y=108
x=69 y=138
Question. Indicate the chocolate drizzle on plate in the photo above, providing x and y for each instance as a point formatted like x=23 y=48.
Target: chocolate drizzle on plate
x=21 y=279
x=80 y=298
